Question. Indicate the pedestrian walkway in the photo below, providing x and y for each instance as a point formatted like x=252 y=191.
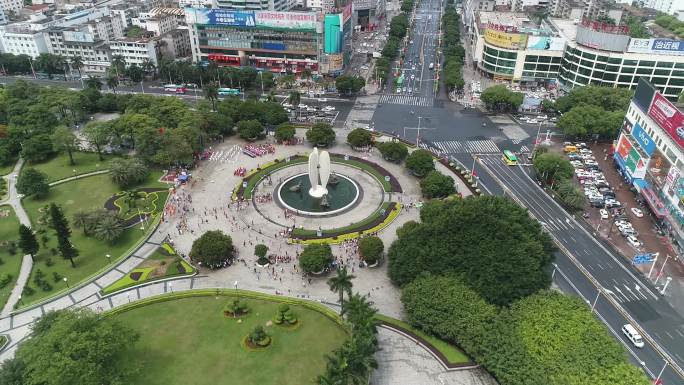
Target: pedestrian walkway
x=468 y=147
x=231 y=155
x=419 y=101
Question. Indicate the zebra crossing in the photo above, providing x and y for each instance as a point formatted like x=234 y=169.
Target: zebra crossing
x=468 y=147
x=229 y=155
x=524 y=149
x=420 y=101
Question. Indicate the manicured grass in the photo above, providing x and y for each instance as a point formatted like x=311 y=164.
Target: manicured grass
x=81 y=194
x=3 y=189
x=374 y=216
x=161 y=264
x=9 y=231
x=190 y=341
x=59 y=168
x=453 y=354
x=3 y=341
x=146 y=203
x=7 y=168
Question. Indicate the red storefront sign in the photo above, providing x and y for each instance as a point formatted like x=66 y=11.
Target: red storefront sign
x=668 y=117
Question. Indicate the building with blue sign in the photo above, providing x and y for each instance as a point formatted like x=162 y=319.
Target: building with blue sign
x=649 y=153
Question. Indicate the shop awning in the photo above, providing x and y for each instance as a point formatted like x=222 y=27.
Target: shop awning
x=654 y=202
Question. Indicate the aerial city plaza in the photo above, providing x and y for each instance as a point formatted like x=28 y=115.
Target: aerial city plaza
x=402 y=192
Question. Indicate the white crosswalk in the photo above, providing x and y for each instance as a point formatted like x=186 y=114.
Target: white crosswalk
x=420 y=101
x=524 y=149
x=468 y=147
x=229 y=155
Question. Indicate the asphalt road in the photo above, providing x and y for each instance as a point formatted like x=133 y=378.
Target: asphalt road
x=625 y=296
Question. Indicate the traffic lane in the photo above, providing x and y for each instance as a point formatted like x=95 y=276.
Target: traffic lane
x=644 y=311
x=566 y=275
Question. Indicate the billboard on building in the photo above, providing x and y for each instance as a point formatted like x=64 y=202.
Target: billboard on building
x=543 y=43
x=287 y=20
x=264 y=19
x=644 y=139
x=333 y=34
x=635 y=164
x=668 y=117
x=656 y=46
x=509 y=40
x=603 y=39
x=624 y=146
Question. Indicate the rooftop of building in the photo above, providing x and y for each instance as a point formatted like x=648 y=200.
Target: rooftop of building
x=566 y=28
x=168 y=11
x=516 y=20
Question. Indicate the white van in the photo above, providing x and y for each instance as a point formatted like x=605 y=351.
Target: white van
x=432 y=65
x=630 y=332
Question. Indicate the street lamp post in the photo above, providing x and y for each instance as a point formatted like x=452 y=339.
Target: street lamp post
x=593 y=305
x=660 y=272
x=667 y=283
x=650 y=271
x=109 y=258
x=66 y=281
x=20 y=301
x=657 y=379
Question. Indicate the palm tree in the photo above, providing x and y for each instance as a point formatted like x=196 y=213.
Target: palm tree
x=341 y=283
x=148 y=67
x=94 y=83
x=77 y=62
x=108 y=228
x=82 y=219
x=211 y=93
x=359 y=310
x=118 y=61
x=112 y=82
x=306 y=74
x=294 y=98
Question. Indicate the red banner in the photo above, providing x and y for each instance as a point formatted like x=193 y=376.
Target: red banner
x=623 y=147
x=668 y=117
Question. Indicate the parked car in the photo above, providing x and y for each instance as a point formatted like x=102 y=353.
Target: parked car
x=633 y=241
x=604 y=213
x=637 y=213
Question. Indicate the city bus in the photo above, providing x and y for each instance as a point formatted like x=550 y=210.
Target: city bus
x=510 y=158
x=228 y=92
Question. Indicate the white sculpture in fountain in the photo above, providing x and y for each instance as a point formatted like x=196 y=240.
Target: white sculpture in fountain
x=319 y=173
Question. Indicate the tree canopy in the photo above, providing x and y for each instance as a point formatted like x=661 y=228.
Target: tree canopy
x=551 y=165
x=213 y=249
x=315 y=257
x=359 y=138
x=499 y=98
x=250 y=129
x=285 y=132
x=320 y=134
x=371 y=248
x=437 y=185
x=456 y=236
x=73 y=347
x=32 y=183
x=393 y=151
x=420 y=162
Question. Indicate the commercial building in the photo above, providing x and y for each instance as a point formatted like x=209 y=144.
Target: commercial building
x=649 y=153
x=368 y=14
x=255 y=5
x=70 y=43
x=11 y=6
x=20 y=39
x=136 y=50
x=271 y=41
x=509 y=46
x=157 y=23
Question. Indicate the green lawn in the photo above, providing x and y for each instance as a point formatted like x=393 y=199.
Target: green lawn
x=9 y=231
x=3 y=341
x=59 y=168
x=80 y=194
x=7 y=168
x=453 y=354
x=190 y=341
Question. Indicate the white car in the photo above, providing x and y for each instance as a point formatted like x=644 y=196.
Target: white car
x=604 y=213
x=413 y=77
x=637 y=213
x=633 y=241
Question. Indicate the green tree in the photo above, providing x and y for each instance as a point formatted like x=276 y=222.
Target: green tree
x=211 y=93
x=213 y=249
x=285 y=132
x=74 y=347
x=250 y=129
x=420 y=163
x=32 y=183
x=37 y=148
x=260 y=250
x=84 y=219
x=320 y=134
x=437 y=185
x=608 y=98
x=63 y=139
x=349 y=84
x=108 y=228
x=67 y=249
x=27 y=241
x=552 y=166
x=294 y=98
x=315 y=258
x=128 y=172
x=371 y=248
x=112 y=82
x=58 y=221
x=571 y=195
x=341 y=283
x=393 y=151
x=499 y=98
x=455 y=237
x=77 y=63
x=98 y=134
x=359 y=138
x=587 y=120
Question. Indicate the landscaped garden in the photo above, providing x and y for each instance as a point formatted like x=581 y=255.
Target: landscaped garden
x=10 y=254
x=163 y=263
x=192 y=341
x=59 y=167
x=74 y=197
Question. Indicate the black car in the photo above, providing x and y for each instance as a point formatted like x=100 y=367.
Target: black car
x=598 y=203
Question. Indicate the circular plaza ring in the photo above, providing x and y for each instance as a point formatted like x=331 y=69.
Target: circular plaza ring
x=341 y=197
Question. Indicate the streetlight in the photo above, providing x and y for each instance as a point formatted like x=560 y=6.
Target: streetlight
x=660 y=272
x=171 y=286
x=66 y=281
x=667 y=283
x=109 y=258
x=20 y=301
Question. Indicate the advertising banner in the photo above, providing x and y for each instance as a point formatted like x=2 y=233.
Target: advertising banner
x=543 y=43
x=624 y=147
x=644 y=139
x=656 y=46
x=505 y=39
x=220 y=17
x=668 y=118
x=288 y=20
x=635 y=165
x=627 y=126
x=671 y=180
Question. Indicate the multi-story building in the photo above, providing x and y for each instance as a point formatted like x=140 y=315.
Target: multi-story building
x=157 y=23
x=176 y=43
x=368 y=13
x=255 y=5
x=20 y=39
x=270 y=41
x=649 y=153
x=508 y=46
x=585 y=9
x=71 y=43
x=3 y=17
x=11 y=6
x=135 y=50
x=666 y=6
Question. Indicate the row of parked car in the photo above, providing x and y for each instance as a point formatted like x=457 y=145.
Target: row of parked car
x=598 y=190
